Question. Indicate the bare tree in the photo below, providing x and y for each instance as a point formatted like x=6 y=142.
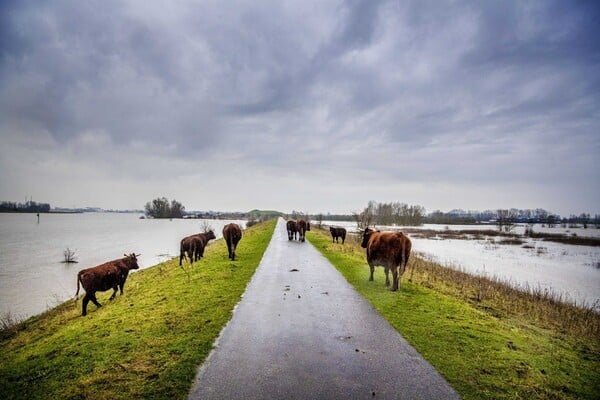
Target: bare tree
x=505 y=219
x=319 y=220
x=69 y=256
x=205 y=227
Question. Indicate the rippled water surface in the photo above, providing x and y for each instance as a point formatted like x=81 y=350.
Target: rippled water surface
x=32 y=276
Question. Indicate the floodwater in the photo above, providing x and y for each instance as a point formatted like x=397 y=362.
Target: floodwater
x=569 y=272
x=32 y=275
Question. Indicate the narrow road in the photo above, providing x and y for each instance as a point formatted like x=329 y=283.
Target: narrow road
x=302 y=332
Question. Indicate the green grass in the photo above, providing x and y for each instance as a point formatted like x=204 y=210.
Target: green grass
x=484 y=351
x=145 y=344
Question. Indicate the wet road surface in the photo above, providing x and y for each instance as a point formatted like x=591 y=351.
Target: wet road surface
x=302 y=332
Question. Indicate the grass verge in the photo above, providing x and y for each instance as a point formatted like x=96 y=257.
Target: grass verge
x=479 y=339
x=145 y=344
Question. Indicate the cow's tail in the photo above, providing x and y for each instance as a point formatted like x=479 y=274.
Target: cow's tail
x=78 y=280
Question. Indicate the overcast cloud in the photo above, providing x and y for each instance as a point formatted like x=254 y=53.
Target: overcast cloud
x=316 y=106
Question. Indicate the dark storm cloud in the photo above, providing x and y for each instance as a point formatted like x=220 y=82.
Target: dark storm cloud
x=451 y=93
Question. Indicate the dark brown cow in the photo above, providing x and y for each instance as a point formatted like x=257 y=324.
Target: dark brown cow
x=337 y=233
x=388 y=249
x=232 y=234
x=194 y=246
x=188 y=246
x=292 y=230
x=204 y=239
x=110 y=275
x=302 y=226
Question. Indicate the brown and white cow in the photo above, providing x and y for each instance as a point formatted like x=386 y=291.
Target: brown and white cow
x=110 y=275
x=232 y=233
x=388 y=249
x=337 y=233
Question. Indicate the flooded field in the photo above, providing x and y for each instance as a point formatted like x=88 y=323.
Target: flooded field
x=32 y=276
x=571 y=272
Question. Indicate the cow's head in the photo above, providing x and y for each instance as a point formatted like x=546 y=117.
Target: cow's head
x=366 y=235
x=210 y=235
x=132 y=260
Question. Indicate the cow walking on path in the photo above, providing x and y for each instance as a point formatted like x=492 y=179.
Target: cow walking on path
x=388 y=249
x=110 y=275
x=302 y=226
x=292 y=230
x=232 y=233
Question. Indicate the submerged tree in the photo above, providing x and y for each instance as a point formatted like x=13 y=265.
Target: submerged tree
x=160 y=208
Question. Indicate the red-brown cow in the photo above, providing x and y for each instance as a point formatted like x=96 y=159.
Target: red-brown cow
x=194 y=246
x=388 y=249
x=110 y=275
x=232 y=233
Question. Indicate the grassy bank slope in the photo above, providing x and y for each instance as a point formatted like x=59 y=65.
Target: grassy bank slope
x=144 y=344
x=485 y=349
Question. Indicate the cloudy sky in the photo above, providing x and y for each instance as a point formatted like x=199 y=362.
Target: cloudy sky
x=317 y=106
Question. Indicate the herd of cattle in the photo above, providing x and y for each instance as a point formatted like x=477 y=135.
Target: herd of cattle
x=297 y=229
x=113 y=274
x=390 y=250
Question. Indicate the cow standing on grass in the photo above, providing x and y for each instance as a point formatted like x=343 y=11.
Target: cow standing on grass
x=337 y=233
x=110 y=275
x=232 y=233
x=194 y=246
x=388 y=249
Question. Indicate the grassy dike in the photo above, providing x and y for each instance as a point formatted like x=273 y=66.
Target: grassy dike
x=145 y=344
x=482 y=350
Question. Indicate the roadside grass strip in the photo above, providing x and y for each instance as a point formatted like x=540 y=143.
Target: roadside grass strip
x=146 y=344
x=483 y=351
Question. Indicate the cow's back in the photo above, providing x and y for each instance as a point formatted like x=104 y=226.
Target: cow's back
x=101 y=277
x=232 y=233
x=385 y=248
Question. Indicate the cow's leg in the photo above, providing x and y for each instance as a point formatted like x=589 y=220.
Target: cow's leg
x=343 y=239
x=372 y=270
x=395 y=277
x=387 y=276
x=114 y=294
x=84 y=304
x=94 y=300
x=122 y=285
x=411 y=272
x=181 y=255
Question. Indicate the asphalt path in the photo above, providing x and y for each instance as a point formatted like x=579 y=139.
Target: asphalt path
x=302 y=332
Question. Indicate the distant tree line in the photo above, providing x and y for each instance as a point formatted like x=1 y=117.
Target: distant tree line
x=161 y=208
x=29 y=206
x=394 y=213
